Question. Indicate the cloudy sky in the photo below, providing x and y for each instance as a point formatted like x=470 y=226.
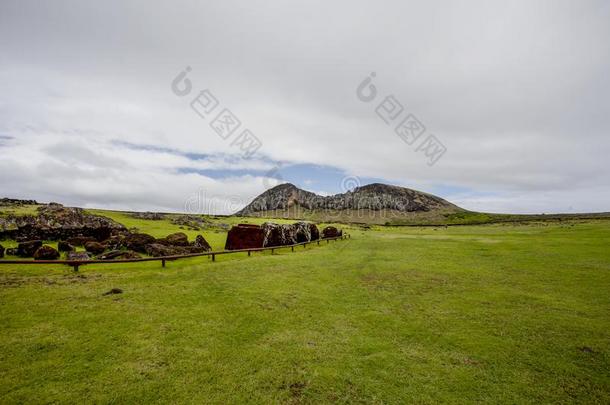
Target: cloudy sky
x=517 y=93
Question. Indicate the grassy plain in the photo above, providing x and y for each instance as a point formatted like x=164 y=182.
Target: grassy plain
x=506 y=313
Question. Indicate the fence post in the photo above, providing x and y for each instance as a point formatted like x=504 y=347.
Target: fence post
x=213 y=257
x=162 y=262
x=75 y=266
x=318 y=242
x=272 y=250
x=249 y=252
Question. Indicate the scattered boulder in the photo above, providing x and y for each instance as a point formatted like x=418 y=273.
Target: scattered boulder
x=46 y=252
x=177 y=239
x=151 y=216
x=245 y=236
x=1 y=251
x=159 y=250
x=64 y=246
x=27 y=249
x=115 y=242
x=80 y=240
x=119 y=255
x=138 y=241
x=185 y=250
x=11 y=252
x=80 y=256
x=200 y=242
x=331 y=232
x=95 y=247
x=194 y=222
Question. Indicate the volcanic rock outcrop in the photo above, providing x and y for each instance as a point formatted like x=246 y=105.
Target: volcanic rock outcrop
x=56 y=222
x=374 y=197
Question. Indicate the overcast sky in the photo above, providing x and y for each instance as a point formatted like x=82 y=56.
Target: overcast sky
x=517 y=92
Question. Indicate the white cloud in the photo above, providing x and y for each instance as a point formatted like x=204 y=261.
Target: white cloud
x=516 y=91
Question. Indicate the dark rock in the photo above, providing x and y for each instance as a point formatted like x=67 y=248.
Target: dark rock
x=81 y=256
x=278 y=235
x=63 y=246
x=159 y=250
x=200 y=242
x=11 y=252
x=290 y=234
x=46 y=252
x=56 y=222
x=374 y=197
x=1 y=251
x=27 y=249
x=95 y=247
x=12 y=201
x=273 y=235
x=151 y=216
x=245 y=236
x=138 y=241
x=314 y=231
x=331 y=232
x=115 y=242
x=303 y=232
x=119 y=255
x=113 y=291
x=194 y=249
x=80 y=240
x=194 y=222
x=177 y=239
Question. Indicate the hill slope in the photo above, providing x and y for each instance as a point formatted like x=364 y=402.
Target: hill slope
x=375 y=203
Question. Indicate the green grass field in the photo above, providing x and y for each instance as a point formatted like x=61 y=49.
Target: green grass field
x=491 y=314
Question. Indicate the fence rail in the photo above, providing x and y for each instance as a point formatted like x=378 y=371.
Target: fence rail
x=75 y=264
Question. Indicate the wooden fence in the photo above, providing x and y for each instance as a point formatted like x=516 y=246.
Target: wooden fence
x=75 y=264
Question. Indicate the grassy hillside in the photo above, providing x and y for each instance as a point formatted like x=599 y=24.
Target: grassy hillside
x=431 y=218
x=497 y=314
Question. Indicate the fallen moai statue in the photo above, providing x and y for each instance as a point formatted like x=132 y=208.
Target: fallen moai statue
x=269 y=234
x=244 y=236
x=331 y=232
